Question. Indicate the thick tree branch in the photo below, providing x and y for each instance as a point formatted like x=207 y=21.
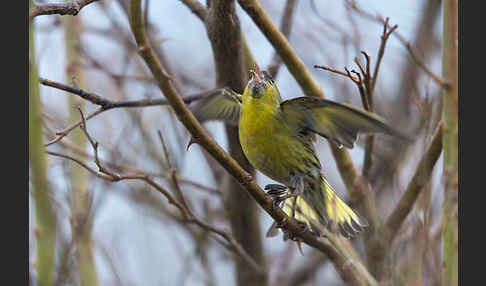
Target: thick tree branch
x=81 y=197
x=224 y=33
x=187 y=217
x=450 y=61
x=307 y=83
x=348 y=268
x=310 y=87
x=201 y=12
x=181 y=205
x=45 y=216
x=67 y=8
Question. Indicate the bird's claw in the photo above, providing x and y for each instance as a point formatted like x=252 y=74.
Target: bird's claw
x=279 y=193
x=304 y=227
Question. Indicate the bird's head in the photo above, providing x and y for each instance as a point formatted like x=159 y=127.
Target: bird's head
x=261 y=86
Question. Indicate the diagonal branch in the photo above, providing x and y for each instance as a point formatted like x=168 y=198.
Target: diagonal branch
x=295 y=65
x=197 y=8
x=310 y=88
x=416 y=185
x=226 y=39
x=348 y=268
x=285 y=26
x=187 y=215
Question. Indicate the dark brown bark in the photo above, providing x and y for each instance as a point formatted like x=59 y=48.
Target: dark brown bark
x=224 y=33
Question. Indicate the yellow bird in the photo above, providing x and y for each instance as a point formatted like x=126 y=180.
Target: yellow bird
x=277 y=138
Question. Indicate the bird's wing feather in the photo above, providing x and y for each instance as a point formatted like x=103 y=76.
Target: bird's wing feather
x=225 y=105
x=338 y=122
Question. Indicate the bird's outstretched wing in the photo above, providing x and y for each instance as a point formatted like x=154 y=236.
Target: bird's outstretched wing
x=225 y=106
x=340 y=123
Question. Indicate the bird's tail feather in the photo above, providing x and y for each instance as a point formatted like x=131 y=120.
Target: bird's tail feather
x=325 y=210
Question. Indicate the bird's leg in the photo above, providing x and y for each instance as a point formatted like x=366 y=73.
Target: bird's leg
x=298 y=186
x=279 y=194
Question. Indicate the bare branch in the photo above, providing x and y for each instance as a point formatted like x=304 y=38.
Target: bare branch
x=353 y=274
x=110 y=176
x=370 y=82
x=66 y=143
x=106 y=104
x=227 y=44
x=197 y=8
x=67 y=8
x=416 y=185
x=282 y=46
x=352 y=4
x=384 y=37
x=338 y=72
x=285 y=27
x=186 y=213
x=61 y=134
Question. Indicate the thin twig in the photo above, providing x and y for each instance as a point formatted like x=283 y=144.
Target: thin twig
x=106 y=104
x=367 y=79
x=370 y=83
x=445 y=84
x=367 y=100
x=110 y=176
x=130 y=168
x=384 y=38
x=173 y=174
x=337 y=71
x=187 y=215
x=357 y=80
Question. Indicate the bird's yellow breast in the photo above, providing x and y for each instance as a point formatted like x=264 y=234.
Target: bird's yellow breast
x=268 y=142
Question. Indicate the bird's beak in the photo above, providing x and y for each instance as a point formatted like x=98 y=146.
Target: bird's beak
x=256 y=76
